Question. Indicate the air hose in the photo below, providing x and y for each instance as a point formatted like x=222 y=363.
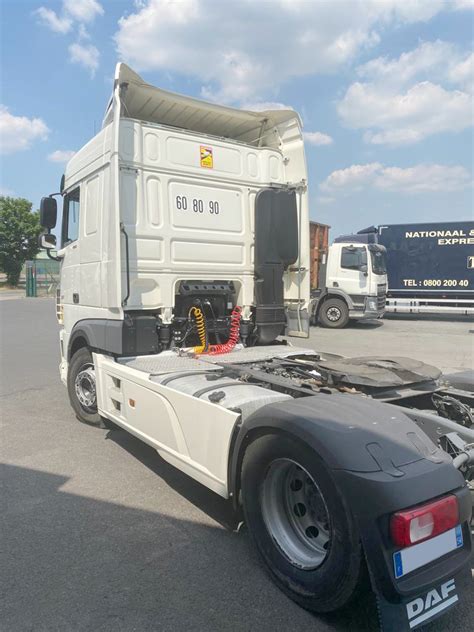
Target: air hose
x=201 y=329
x=233 y=335
x=221 y=348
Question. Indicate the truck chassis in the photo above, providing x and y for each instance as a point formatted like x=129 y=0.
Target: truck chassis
x=328 y=437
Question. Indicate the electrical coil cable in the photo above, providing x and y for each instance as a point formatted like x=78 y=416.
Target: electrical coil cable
x=201 y=329
x=226 y=347
x=233 y=335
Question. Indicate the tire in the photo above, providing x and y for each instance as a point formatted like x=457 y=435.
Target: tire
x=334 y=313
x=318 y=576
x=81 y=364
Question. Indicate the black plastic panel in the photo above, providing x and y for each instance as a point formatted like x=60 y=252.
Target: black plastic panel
x=136 y=334
x=276 y=247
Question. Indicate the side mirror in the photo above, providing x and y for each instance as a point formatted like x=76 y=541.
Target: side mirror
x=364 y=269
x=47 y=241
x=48 y=212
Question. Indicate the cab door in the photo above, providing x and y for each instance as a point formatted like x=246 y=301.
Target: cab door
x=70 y=252
x=352 y=272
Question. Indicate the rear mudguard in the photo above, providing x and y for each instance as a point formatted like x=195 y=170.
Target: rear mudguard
x=381 y=462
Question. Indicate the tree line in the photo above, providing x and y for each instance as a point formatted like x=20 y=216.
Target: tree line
x=19 y=232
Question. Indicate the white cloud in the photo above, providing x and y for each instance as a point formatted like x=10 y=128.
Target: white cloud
x=19 y=132
x=422 y=178
x=72 y=10
x=262 y=106
x=352 y=178
x=463 y=4
x=76 y=13
x=433 y=61
x=61 y=155
x=325 y=199
x=82 y=33
x=52 y=20
x=317 y=138
x=400 y=104
x=86 y=55
x=6 y=192
x=83 y=10
x=462 y=73
x=406 y=117
x=243 y=50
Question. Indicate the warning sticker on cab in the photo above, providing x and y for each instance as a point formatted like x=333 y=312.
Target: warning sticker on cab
x=206 y=157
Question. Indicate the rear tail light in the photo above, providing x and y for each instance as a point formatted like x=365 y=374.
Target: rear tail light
x=425 y=521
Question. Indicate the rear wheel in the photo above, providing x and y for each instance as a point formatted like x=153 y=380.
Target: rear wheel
x=334 y=313
x=81 y=386
x=300 y=524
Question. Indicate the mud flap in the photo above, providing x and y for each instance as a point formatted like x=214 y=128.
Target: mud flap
x=412 y=612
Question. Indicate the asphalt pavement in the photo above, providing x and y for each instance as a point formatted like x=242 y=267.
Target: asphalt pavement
x=100 y=534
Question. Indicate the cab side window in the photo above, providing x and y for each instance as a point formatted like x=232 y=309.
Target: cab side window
x=353 y=258
x=71 y=212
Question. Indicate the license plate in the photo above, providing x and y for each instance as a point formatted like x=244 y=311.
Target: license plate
x=413 y=557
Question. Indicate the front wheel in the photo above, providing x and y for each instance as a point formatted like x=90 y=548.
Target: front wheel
x=81 y=386
x=334 y=313
x=301 y=526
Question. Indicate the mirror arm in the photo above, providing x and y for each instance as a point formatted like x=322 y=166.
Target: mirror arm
x=49 y=249
x=51 y=256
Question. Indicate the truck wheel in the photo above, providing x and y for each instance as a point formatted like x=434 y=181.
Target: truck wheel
x=81 y=386
x=334 y=313
x=300 y=524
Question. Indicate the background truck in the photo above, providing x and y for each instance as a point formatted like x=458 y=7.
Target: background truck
x=348 y=279
x=430 y=267
x=184 y=259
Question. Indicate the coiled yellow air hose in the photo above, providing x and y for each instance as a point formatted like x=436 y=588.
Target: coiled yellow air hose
x=201 y=329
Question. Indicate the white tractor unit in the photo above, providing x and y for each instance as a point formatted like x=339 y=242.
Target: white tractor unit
x=184 y=249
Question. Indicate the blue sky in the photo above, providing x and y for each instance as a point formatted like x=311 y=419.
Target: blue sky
x=384 y=88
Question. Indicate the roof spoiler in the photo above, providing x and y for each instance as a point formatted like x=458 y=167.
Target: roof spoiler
x=366 y=231
x=142 y=101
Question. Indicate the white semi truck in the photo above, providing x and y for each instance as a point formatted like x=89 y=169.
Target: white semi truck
x=184 y=260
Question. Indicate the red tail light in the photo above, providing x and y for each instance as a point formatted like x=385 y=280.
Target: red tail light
x=425 y=521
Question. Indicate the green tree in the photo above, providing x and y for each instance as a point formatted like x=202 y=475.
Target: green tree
x=19 y=231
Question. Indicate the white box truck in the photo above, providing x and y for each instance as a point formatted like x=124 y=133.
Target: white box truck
x=348 y=278
x=184 y=254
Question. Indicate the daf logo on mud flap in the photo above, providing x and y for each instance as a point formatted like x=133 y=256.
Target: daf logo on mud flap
x=436 y=600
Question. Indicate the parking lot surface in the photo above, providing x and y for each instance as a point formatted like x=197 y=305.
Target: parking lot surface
x=100 y=534
x=447 y=344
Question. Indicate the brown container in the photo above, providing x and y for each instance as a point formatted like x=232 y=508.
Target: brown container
x=318 y=247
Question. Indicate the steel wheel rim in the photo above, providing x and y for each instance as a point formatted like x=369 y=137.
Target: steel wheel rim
x=295 y=514
x=85 y=388
x=333 y=314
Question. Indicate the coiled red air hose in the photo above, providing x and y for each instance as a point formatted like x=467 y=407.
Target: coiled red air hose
x=233 y=335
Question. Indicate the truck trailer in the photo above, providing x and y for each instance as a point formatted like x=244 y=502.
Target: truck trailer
x=430 y=267
x=348 y=279
x=184 y=255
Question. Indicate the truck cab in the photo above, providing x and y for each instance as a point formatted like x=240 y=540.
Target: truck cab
x=351 y=283
x=178 y=204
